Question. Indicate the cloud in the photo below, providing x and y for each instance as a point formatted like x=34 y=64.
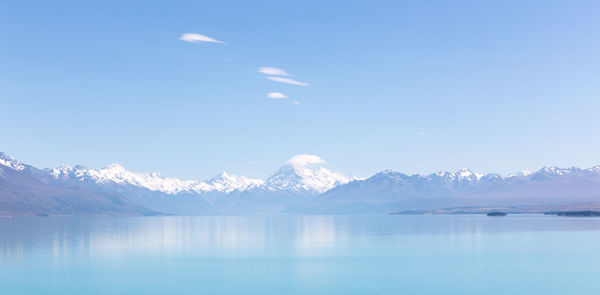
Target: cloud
x=287 y=81
x=304 y=160
x=251 y=162
x=296 y=102
x=272 y=71
x=276 y=95
x=197 y=38
x=421 y=133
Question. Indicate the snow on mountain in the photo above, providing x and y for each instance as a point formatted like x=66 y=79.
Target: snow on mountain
x=10 y=162
x=227 y=183
x=390 y=191
x=303 y=173
x=118 y=174
x=300 y=174
x=27 y=191
x=302 y=183
x=115 y=173
x=466 y=174
x=519 y=174
x=594 y=170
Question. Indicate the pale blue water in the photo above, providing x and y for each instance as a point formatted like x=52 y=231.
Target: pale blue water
x=443 y=254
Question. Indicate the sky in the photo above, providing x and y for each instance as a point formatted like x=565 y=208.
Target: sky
x=191 y=88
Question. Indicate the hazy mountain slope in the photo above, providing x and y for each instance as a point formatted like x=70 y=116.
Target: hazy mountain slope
x=390 y=191
x=24 y=190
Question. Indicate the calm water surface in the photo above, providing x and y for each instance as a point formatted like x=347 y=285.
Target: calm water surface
x=443 y=254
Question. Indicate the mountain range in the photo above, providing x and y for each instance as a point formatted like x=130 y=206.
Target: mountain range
x=301 y=185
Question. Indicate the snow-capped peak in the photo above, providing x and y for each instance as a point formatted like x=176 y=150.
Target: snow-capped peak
x=10 y=162
x=302 y=173
x=63 y=170
x=466 y=173
x=594 y=169
x=519 y=174
x=116 y=173
x=554 y=171
x=225 y=182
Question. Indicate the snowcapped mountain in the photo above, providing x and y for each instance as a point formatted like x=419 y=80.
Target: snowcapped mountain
x=10 y=162
x=26 y=190
x=303 y=174
x=390 y=191
x=227 y=183
x=300 y=185
x=117 y=174
x=298 y=180
x=300 y=174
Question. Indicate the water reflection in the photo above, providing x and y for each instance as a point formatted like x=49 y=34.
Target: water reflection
x=250 y=235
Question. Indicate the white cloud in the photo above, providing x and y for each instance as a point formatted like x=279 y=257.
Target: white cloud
x=197 y=38
x=296 y=102
x=272 y=71
x=421 y=133
x=304 y=160
x=276 y=95
x=251 y=162
x=287 y=81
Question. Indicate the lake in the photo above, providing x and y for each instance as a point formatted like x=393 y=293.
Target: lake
x=410 y=254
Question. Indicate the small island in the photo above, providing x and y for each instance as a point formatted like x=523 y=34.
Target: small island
x=579 y=213
x=496 y=213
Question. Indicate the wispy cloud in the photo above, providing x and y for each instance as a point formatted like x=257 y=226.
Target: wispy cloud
x=251 y=162
x=276 y=95
x=421 y=133
x=296 y=102
x=287 y=81
x=197 y=38
x=272 y=71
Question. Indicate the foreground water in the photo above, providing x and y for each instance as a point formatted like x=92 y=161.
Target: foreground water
x=443 y=254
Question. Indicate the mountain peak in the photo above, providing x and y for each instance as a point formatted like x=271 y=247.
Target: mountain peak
x=225 y=182
x=220 y=176
x=387 y=172
x=521 y=173
x=467 y=173
x=63 y=170
x=64 y=167
x=11 y=162
x=302 y=173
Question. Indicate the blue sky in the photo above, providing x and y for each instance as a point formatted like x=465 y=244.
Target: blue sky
x=416 y=86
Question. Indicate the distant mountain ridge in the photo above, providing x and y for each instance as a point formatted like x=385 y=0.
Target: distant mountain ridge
x=295 y=175
x=26 y=190
x=299 y=178
x=300 y=185
x=152 y=181
x=389 y=191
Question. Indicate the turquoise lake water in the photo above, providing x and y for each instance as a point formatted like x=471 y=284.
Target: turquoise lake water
x=441 y=254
